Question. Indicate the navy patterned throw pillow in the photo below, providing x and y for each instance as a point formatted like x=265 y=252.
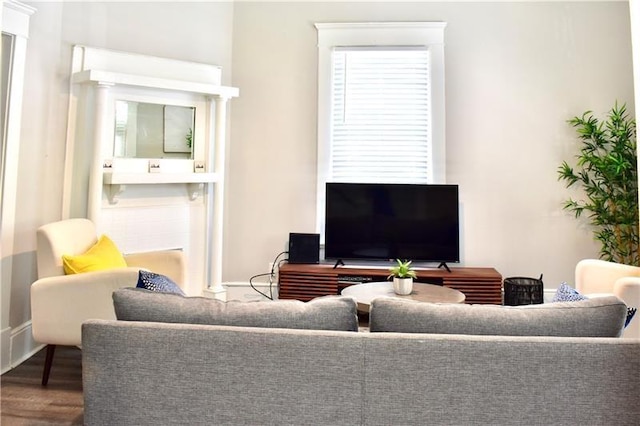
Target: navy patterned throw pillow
x=159 y=283
x=630 y=313
x=567 y=294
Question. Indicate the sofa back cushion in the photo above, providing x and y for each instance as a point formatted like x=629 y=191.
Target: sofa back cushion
x=597 y=317
x=323 y=313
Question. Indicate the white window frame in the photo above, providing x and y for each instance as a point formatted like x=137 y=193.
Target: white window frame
x=421 y=34
x=14 y=21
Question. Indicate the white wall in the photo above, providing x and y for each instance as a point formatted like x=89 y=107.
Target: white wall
x=199 y=32
x=515 y=72
x=634 y=11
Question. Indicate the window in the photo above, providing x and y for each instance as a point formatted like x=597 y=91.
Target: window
x=380 y=104
x=379 y=130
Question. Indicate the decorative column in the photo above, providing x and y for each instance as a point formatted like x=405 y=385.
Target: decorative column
x=95 y=177
x=215 y=200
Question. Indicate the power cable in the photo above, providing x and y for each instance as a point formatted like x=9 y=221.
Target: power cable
x=271 y=275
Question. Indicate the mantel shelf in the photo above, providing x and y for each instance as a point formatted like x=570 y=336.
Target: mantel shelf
x=125 y=178
x=110 y=77
x=119 y=180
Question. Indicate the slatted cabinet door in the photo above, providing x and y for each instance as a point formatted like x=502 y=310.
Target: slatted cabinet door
x=307 y=281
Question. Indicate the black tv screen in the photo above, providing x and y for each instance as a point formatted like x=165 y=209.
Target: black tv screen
x=392 y=221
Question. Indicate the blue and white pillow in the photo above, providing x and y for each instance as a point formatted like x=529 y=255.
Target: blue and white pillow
x=565 y=293
x=630 y=313
x=159 y=283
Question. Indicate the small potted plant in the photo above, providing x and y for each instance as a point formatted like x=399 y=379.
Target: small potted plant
x=403 y=275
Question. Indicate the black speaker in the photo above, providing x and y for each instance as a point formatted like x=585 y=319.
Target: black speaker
x=304 y=248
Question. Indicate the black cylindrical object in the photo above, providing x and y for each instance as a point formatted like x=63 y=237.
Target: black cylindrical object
x=523 y=291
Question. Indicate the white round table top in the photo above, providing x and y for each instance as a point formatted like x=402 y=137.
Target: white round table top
x=366 y=292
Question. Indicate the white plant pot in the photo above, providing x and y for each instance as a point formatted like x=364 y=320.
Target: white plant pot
x=402 y=286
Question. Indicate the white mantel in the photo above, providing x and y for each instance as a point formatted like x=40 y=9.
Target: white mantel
x=183 y=198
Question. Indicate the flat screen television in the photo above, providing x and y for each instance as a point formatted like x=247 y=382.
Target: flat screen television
x=370 y=221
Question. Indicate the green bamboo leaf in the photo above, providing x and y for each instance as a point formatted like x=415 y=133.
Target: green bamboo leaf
x=606 y=168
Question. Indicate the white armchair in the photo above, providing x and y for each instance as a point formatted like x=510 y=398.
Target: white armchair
x=61 y=303
x=595 y=277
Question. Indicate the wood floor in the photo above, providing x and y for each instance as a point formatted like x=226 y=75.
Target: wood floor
x=26 y=402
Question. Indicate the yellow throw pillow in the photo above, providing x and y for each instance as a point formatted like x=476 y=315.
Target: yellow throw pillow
x=103 y=255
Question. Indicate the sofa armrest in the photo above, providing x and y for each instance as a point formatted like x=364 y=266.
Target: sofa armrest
x=167 y=262
x=60 y=304
x=599 y=276
x=628 y=290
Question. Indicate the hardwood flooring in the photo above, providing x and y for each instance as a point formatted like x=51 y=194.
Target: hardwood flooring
x=26 y=402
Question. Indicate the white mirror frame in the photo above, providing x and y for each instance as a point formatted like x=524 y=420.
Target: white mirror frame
x=140 y=165
x=98 y=77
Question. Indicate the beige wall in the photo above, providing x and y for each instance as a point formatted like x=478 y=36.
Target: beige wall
x=515 y=72
x=199 y=32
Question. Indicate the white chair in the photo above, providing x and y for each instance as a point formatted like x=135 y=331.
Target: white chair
x=61 y=303
x=597 y=277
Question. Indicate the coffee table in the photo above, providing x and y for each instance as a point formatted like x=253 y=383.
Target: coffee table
x=365 y=293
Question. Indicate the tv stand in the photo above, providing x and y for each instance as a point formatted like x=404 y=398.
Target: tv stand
x=445 y=266
x=307 y=281
x=339 y=262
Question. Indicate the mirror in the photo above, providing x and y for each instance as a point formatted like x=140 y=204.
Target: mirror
x=146 y=130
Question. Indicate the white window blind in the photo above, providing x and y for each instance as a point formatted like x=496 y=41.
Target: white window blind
x=380 y=115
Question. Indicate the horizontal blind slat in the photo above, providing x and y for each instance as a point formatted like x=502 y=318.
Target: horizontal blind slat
x=381 y=126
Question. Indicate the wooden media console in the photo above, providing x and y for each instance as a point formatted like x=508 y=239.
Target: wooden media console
x=307 y=281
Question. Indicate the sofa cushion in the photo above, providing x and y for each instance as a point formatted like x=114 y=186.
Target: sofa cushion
x=323 y=313
x=157 y=282
x=631 y=312
x=104 y=254
x=566 y=293
x=597 y=317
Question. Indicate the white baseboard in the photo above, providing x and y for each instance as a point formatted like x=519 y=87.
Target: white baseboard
x=547 y=294
x=219 y=293
x=240 y=290
x=21 y=346
x=5 y=350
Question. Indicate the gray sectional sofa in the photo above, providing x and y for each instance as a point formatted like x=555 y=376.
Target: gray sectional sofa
x=239 y=370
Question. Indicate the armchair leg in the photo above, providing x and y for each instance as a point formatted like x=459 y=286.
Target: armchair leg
x=47 y=364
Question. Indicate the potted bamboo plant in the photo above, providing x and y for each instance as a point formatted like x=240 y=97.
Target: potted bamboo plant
x=606 y=169
x=403 y=276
